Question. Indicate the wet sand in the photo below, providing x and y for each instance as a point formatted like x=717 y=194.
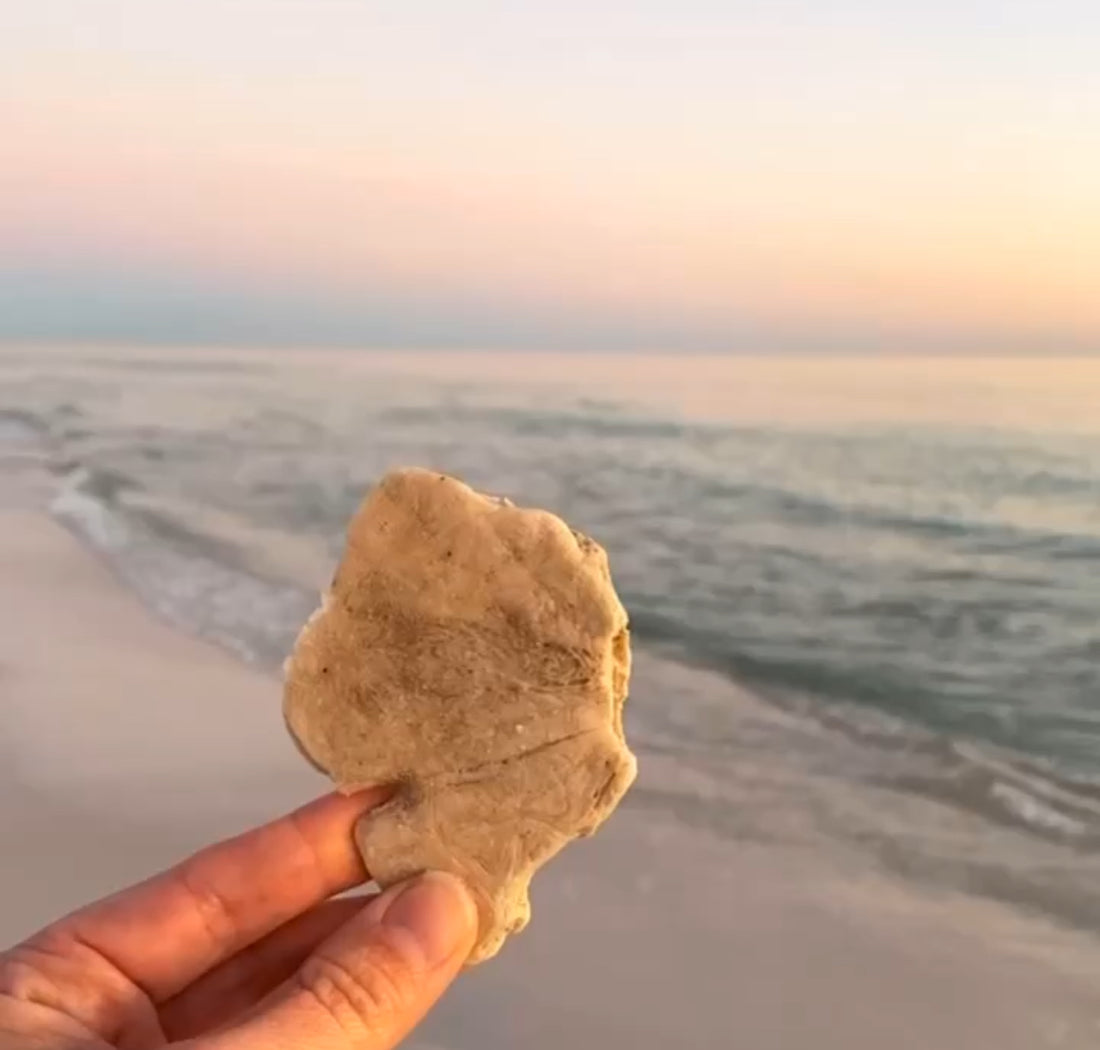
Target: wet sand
x=125 y=745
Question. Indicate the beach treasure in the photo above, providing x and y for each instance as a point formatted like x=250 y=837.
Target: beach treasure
x=475 y=656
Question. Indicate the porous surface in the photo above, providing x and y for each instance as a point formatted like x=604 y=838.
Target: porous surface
x=475 y=656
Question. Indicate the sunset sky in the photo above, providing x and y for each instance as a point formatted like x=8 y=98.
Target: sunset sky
x=653 y=174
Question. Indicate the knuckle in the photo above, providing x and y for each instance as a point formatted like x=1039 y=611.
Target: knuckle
x=362 y=997
x=44 y=974
x=21 y=981
x=217 y=916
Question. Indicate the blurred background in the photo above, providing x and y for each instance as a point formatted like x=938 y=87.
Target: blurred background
x=720 y=176
x=792 y=306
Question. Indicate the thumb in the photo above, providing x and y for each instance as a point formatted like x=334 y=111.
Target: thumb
x=374 y=979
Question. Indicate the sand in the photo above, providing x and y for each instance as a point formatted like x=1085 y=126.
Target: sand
x=121 y=751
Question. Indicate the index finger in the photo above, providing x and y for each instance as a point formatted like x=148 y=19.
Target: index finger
x=166 y=932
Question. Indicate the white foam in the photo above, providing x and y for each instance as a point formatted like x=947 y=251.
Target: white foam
x=88 y=515
x=1035 y=812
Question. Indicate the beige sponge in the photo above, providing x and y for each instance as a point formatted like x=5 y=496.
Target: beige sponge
x=475 y=656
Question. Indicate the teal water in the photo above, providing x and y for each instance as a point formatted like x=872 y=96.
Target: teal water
x=907 y=554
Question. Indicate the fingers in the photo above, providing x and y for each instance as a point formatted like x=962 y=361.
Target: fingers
x=237 y=984
x=372 y=981
x=165 y=933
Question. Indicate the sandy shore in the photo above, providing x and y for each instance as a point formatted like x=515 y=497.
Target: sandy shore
x=125 y=745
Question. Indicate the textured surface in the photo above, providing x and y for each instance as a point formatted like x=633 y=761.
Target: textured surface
x=475 y=655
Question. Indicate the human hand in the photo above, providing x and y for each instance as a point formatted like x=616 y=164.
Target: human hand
x=240 y=948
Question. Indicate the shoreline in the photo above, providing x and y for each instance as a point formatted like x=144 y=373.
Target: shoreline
x=128 y=744
x=920 y=805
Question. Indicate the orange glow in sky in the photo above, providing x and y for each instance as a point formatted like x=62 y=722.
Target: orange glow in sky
x=839 y=176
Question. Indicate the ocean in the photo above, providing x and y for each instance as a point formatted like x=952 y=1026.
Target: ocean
x=865 y=593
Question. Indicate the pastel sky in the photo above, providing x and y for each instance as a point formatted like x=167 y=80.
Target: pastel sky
x=696 y=174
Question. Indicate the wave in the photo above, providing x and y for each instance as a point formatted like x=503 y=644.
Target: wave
x=558 y=425
x=970 y=773
x=188 y=580
x=695 y=753
x=18 y=427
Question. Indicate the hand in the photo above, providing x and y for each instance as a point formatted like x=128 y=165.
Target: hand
x=240 y=948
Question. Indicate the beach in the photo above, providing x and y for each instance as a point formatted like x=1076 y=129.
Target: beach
x=127 y=744
x=790 y=309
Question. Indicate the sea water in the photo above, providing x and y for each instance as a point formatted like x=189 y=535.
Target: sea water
x=865 y=593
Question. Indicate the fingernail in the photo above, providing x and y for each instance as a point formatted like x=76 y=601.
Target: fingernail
x=437 y=911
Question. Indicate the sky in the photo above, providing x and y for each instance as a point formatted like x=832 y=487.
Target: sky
x=764 y=175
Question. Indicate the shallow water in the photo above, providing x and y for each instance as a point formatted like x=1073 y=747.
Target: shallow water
x=891 y=569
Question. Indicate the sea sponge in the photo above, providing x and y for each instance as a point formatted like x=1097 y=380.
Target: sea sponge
x=473 y=655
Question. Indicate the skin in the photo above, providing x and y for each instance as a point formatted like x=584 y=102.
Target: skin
x=242 y=947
